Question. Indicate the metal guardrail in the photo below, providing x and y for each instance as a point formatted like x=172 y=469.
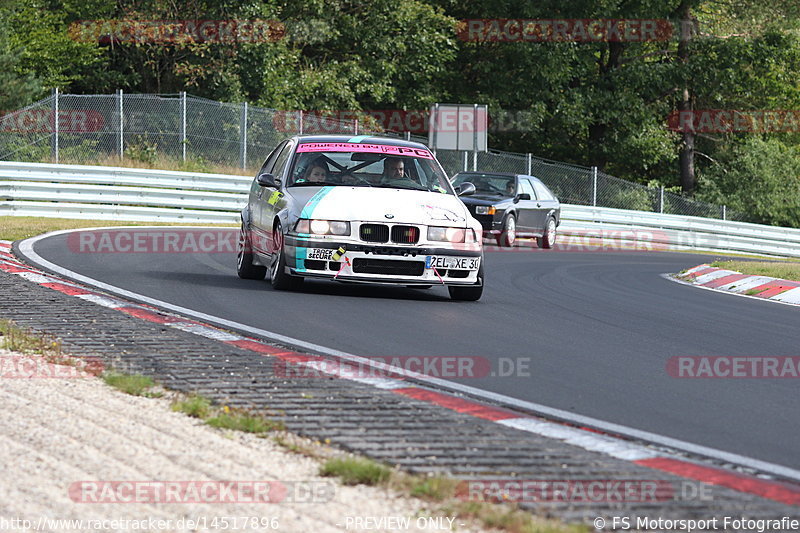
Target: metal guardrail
x=106 y=193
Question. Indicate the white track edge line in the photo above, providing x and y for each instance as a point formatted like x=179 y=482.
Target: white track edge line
x=26 y=248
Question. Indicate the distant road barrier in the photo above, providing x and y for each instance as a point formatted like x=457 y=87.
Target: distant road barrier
x=142 y=195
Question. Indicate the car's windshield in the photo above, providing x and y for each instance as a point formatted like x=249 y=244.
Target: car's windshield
x=367 y=165
x=489 y=183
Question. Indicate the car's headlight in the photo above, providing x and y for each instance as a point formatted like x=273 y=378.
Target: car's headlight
x=436 y=233
x=323 y=227
x=485 y=210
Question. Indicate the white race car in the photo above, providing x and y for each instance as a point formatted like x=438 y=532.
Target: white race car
x=359 y=209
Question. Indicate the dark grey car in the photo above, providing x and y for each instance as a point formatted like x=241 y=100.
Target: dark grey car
x=510 y=205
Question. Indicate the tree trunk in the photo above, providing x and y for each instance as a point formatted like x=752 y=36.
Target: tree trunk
x=686 y=159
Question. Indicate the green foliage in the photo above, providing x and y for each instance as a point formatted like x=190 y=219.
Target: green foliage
x=760 y=177
x=16 y=89
x=356 y=471
x=141 y=150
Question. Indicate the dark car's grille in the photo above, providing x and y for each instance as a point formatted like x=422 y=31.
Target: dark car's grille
x=389 y=267
x=374 y=232
x=485 y=220
x=405 y=234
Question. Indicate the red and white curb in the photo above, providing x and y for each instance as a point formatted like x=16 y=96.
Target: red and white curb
x=765 y=287
x=583 y=437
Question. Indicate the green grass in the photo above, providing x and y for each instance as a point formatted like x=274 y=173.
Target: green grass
x=133 y=384
x=356 y=471
x=17 y=339
x=242 y=421
x=17 y=228
x=195 y=406
x=433 y=489
x=776 y=269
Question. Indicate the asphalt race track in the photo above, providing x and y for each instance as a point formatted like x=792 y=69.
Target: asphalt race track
x=597 y=329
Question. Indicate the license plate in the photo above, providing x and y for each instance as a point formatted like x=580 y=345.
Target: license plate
x=455 y=263
x=321 y=254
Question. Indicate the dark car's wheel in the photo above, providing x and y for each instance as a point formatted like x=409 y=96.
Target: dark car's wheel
x=548 y=240
x=468 y=293
x=279 y=279
x=244 y=257
x=508 y=236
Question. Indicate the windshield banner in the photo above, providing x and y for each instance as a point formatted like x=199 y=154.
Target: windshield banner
x=366 y=148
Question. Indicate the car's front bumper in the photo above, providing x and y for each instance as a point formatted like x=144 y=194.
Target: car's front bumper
x=383 y=263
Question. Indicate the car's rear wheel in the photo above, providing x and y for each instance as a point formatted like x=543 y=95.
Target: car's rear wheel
x=469 y=293
x=279 y=279
x=508 y=236
x=244 y=257
x=548 y=240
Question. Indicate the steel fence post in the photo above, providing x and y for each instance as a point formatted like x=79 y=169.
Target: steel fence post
x=661 y=200
x=724 y=212
x=594 y=186
x=54 y=147
x=301 y=122
x=183 y=125
x=528 y=163
x=474 y=137
x=355 y=126
x=120 y=126
x=243 y=137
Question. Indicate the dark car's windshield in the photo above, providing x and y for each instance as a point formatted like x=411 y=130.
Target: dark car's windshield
x=367 y=165
x=491 y=184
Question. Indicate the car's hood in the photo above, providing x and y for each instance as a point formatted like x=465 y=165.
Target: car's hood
x=484 y=199
x=379 y=204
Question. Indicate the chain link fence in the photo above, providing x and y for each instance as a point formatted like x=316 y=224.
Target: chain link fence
x=198 y=133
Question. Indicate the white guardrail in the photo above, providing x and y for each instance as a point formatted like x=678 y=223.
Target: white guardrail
x=113 y=193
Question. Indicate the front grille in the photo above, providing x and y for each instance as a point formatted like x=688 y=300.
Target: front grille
x=405 y=234
x=314 y=264
x=374 y=232
x=389 y=267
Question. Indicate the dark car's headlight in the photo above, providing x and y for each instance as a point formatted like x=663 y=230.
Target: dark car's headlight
x=323 y=227
x=436 y=233
x=485 y=210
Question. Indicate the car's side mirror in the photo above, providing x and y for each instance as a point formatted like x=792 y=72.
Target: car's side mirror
x=524 y=196
x=465 y=189
x=268 y=180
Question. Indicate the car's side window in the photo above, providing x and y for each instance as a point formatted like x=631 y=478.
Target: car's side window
x=526 y=188
x=542 y=191
x=280 y=162
x=270 y=162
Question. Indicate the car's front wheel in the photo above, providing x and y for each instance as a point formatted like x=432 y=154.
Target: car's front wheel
x=548 y=240
x=508 y=236
x=244 y=257
x=470 y=293
x=279 y=279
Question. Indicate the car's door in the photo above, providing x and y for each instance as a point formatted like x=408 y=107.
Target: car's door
x=257 y=200
x=273 y=199
x=528 y=215
x=546 y=203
